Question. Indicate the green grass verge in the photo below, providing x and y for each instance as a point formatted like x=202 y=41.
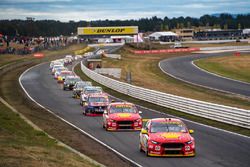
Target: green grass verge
x=21 y=145
x=231 y=66
x=112 y=92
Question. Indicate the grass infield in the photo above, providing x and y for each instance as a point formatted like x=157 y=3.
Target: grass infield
x=235 y=67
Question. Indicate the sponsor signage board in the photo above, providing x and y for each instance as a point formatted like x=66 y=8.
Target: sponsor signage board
x=38 y=55
x=107 y=30
x=165 y=51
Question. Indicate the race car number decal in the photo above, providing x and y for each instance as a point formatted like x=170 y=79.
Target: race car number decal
x=124 y=115
x=122 y=106
x=174 y=123
x=170 y=135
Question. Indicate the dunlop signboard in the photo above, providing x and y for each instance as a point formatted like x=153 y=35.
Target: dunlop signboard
x=107 y=30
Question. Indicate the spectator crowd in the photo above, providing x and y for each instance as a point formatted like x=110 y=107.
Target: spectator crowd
x=25 y=45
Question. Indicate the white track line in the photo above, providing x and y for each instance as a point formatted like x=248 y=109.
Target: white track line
x=79 y=129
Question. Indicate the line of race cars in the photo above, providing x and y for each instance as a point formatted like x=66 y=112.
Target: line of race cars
x=158 y=136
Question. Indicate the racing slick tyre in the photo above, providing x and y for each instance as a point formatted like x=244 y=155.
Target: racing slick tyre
x=84 y=112
x=146 y=151
x=140 y=148
x=106 y=127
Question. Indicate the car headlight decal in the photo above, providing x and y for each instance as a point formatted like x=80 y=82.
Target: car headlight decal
x=154 y=142
x=189 y=142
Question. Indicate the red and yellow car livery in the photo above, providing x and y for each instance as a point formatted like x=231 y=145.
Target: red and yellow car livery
x=95 y=104
x=122 y=116
x=166 y=137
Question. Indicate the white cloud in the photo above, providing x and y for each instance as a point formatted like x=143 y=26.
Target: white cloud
x=76 y=10
x=12 y=13
x=32 y=1
x=197 y=6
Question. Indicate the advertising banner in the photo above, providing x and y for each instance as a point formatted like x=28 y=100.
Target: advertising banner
x=107 y=30
x=165 y=51
x=38 y=55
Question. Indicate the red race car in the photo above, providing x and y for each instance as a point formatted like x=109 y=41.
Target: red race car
x=166 y=137
x=95 y=104
x=122 y=116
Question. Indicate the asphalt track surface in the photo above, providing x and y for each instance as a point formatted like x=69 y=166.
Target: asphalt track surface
x=215 y=148
x=183 y=69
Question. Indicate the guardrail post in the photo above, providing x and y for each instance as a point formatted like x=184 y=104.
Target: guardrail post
x=128 y=92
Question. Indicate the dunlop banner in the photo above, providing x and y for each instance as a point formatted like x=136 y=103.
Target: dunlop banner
x=107 y=30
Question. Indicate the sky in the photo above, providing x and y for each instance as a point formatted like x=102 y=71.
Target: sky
x=65 y=10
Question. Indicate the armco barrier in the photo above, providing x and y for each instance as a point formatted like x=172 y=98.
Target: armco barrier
x=225 y=48
x=188 y=49
x=221 y=113
x=165 y=51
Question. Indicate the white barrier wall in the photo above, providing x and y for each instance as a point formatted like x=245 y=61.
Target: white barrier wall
x=221 y=113
x=115 y=72
x=225 y=48
x=113 y=56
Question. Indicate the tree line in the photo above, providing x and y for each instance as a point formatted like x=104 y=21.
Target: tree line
x=36 y=28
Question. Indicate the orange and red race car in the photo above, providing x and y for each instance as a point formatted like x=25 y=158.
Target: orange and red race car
x=166 y=137
x=122 y=116
x=95 y=104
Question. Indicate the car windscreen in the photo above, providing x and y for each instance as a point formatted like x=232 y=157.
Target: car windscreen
x=72 y=79
x=88 y=91
x=122 y=109
x=81 y=85
x=76 y=79
x=60 y=69
x=167 y=127
x=98 y=99
x=58 y=66
x=65 y=74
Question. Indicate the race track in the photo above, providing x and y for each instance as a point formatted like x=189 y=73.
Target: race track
x=183 y=69
x=215 y=148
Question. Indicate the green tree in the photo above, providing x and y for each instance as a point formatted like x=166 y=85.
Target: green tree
x=225 y=27
x=239 y=26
